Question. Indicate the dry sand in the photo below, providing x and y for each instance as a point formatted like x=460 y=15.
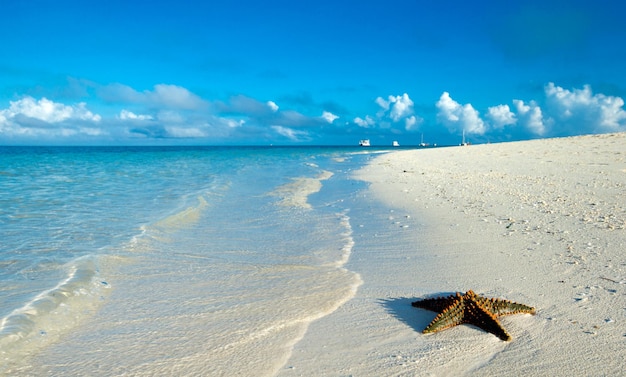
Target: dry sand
x=538 y=222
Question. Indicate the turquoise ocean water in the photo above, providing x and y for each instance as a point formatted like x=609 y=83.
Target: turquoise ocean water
x=170 y=260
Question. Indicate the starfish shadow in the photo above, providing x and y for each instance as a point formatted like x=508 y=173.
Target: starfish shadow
x=402 y=310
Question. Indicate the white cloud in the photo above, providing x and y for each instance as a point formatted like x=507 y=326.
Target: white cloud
x=175 y=96
x=530 y=116
x=290 y=133
x=231 y=123
x=121 y=93
x=412 y=123
x=272 y=105
x=28 y=119
x=394 y=111
x=365 y=123
x=329 y=117
x=585 y=112
x=129 y=115
x=382 y=103
x=501 y=116
x=457 y=117
x=163 y=95
x=402 y=107
x=49 y=111
x=398 y=107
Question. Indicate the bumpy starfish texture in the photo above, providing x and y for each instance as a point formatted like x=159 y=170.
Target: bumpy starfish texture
x=473 y=309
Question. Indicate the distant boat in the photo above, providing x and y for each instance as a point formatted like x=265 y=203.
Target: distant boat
x=464 y=143
x=395 y=144
x=422 y=144
x=364 y=143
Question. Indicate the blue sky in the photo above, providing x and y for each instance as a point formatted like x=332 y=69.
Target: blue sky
x=309 y=72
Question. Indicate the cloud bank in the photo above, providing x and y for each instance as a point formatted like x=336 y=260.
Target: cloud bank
x=562 y=112
x=33 y=119
x=582 y=110
x=170 y=112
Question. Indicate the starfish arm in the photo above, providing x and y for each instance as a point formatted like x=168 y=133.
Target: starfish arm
x=504 y=307
x=437 y=304
x=449 y=317
x=479 y=316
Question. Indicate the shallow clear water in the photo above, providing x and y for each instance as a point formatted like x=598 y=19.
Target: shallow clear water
x=169 y=260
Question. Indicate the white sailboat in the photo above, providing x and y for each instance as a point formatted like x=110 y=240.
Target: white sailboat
x=463 y=142
x=422 y=144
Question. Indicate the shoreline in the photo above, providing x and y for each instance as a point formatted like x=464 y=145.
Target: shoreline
x=538 y=222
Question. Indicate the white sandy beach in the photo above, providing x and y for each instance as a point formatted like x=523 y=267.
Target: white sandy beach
x=539 y=222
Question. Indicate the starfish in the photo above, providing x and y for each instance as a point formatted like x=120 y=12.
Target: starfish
x=473 y=309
